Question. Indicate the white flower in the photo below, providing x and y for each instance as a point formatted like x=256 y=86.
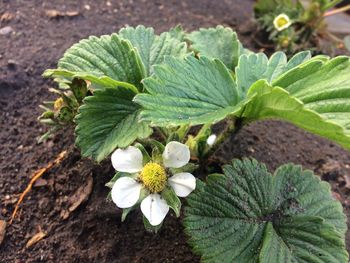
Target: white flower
x=282 y=22
x=152 y=176
x=211 y=139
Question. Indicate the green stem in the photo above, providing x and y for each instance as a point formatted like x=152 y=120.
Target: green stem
x=203 y=130
x=182 y=131
x=162 y=133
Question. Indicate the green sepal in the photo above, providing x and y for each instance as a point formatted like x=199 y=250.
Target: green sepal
x=65 y=114
x=119 y=175
x=114 y=179
x=188 y=168
x=146 y=157
x=172 y=200
x=157 y=150
x=48 y=121
x=70 y=101
x=182 y=131
x=79 y=89
x=201 y=139
x=173 y=137
x=157 y=144
x=149 y=227
x=47 y=115
x=125 y=212
x=192 y=145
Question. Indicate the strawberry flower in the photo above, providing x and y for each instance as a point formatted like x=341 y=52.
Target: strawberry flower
x=153 y=177
x=281 y=22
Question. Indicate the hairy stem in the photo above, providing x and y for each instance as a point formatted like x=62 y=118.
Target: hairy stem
x=182 y=131
x=162 y=133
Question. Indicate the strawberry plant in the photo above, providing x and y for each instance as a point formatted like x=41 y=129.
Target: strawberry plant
x=151 y=102
x=297 y=25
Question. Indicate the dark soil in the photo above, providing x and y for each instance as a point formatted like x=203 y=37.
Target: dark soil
x=93 y=232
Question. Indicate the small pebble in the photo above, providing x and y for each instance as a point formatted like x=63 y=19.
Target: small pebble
x=11 y=64
x=6 y=30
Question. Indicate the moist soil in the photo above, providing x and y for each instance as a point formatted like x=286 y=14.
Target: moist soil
x=92 y=232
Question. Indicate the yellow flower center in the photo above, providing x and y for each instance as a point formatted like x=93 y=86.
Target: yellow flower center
x=281 y=21
x=58 y=104
x=153 y=177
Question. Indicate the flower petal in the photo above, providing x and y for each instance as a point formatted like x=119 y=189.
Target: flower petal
x=281 y=22
x=154 y=208
x=128 y=160
x=126 y=192
x=211 y=139
x=182 y=183
x=176 y=155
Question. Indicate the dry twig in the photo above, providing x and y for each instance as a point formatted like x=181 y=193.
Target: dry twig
x=35 y=177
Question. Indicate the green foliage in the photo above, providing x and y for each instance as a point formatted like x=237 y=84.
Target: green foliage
x=118 y=86
x=264 y=6
x=253 y=67
x=307 y=23
x=94 y=81
x=249 y=215
x=220 y=42
x=153 y=48
x=107 y=120
x=189 y=91
x=324 y=87
x=172 y=200
x=313 y=93
x=113 y=66
x=60 y=113
x=274 y=102
x=108 y=55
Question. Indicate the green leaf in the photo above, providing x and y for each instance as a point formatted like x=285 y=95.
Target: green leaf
x=153 y=48
x=107 y=120
x=324 y=88
x=114 y=179
x=146 y=158
x=188 y=168
x=95 y=82
x=108 y=55
x=198 y=91
x=177 y=32
x=276 y=103
x=126 y=57
x=220 y=42
x=254 y=67
x=189 y=91
x=117 y=176
x=313 y=229
x=312 y=93
x=250 y=215
x=172 y=200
